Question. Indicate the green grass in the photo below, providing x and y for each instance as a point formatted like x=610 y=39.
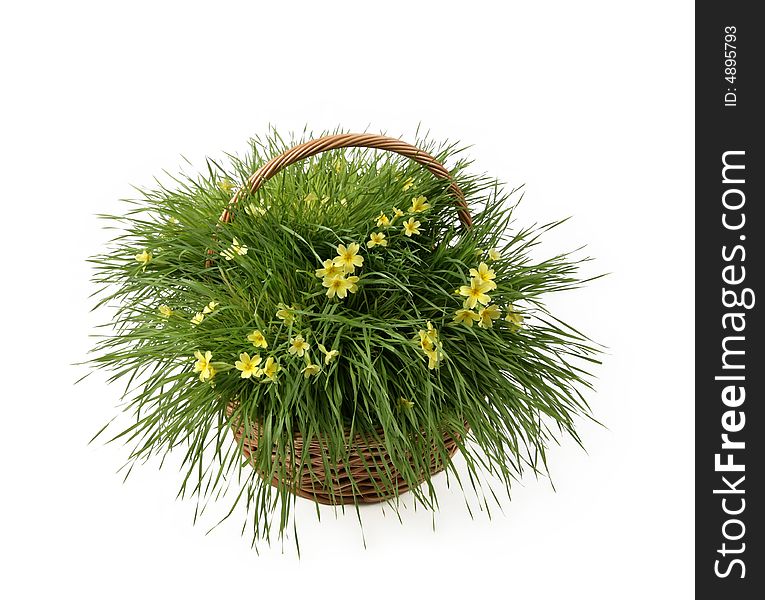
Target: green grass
x=516 y=387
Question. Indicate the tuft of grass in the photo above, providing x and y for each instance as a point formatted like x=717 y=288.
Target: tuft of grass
x=517 y=387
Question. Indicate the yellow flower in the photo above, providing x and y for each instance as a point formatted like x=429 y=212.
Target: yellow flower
x=434 y=357
x=377 y=239
x=235 y=249
x=475 y=293
x=514 y=318
x=329 y=355
x=348 y=258
x=197 y=319
x=165 y=310
x=311 y=369
x=298 y=346
x=226 y=185
x=329 y=270
x=339 y=286
x=487 y=315
x=466 y=316
x=428 y=337
x=419 y=204
x=285 y=314
x=311 y=197
x=430 y=345
x=258 y=339
x=339 y=165
x=494 y=254
x=397 y=212
x=248 y=366
x=408 y=183
x=269 y=370
x=411 y=227
x=485 y=275
x=203 y=360
x=203 y=366
x=405 y=404
x=144 y=258
x=382 y=220
x=211 y=306
x=254 y=210
x=353 y=280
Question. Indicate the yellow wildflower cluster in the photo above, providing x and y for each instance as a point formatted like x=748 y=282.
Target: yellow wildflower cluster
x=336 y=273
x=299 y=347
x=255 y=366
x=250 y=367
x=430 y=345
x=410 y=227
x=200 y=316
x=477 y=307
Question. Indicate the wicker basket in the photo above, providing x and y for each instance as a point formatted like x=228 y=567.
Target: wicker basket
x=354 y=481
x=351 y=482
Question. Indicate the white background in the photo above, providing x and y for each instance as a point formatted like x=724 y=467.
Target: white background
x=588 y=103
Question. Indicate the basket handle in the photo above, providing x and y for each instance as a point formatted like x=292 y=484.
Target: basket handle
x=352 y=140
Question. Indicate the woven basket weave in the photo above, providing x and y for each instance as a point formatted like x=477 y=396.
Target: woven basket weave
x=350 y=482
x=357 y=480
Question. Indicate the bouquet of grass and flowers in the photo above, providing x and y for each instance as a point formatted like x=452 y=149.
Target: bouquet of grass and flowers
x=336 y=322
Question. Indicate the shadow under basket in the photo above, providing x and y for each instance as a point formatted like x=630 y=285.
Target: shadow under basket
x=358 y=480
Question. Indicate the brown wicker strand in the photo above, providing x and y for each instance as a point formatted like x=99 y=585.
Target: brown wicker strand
x=351 y=140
